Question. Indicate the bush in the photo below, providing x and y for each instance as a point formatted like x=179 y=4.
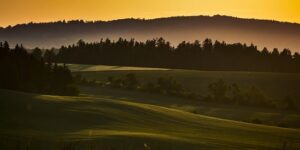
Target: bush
x=222 y=92
x=150 y=87
x=131 y=81
x=236 y=93
x=113 y=82
x=169 y=86
x=255 y=97
x=218 y=90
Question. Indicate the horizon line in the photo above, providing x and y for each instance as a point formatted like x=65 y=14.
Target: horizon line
x=154 y=18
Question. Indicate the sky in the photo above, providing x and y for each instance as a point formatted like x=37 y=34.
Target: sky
x=14 y=12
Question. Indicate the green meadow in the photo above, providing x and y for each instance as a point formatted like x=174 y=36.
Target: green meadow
x=122 y=124
x=107 y=118
x=274 y=85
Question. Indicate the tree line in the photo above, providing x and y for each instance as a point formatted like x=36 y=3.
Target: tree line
x=219 y=91
x=206 y=55
x=29 y=72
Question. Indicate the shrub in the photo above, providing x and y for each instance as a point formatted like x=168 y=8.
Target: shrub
x=218 y=90
x=254 y=96
x=169 y=86
x=131 y=81
x=236 y=93
x=221 y=92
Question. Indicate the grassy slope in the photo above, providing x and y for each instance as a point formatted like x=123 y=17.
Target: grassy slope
x=112 y=119
x=272 y=117
x=275 y=85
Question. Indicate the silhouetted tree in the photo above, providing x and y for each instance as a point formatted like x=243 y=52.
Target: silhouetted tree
x=207 y=45
x=37 y=53
x=6 y=46
x=275 y=52
x=49 y=56
x=187 y=55
x=28 y=72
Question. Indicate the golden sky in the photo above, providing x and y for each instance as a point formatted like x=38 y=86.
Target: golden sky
x=23 y=11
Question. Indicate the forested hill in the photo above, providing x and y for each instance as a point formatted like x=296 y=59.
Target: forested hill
x=263 y=33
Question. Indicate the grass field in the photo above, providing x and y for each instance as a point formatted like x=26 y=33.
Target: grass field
x=107 y=118
x=96 y=122
x=274 y=85
x=267 y=116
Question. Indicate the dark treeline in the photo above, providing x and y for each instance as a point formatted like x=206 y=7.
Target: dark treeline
x=28 y=72
x=207 y=55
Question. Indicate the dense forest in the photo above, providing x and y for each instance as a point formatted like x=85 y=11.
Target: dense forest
x=30 y=73
x=206 y=55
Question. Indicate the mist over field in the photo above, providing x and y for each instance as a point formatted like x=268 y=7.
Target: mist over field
x=263 y=33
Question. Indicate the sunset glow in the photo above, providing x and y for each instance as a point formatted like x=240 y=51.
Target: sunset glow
x=23 y=11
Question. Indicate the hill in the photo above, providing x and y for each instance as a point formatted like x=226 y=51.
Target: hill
x=111 y=123
x=274 y=85
x=264 y=33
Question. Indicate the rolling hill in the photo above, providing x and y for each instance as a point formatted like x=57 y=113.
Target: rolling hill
x=94 y=121
x=274 y=85
x=264 y=33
